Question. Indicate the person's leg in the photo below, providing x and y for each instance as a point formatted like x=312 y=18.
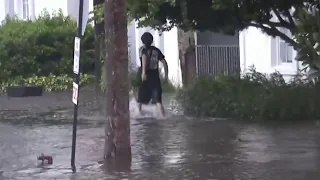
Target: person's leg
x=157 y=99
x=161 y=108
x=140 y=107
x=159 y=104
x=144 y=95
x=141 y=86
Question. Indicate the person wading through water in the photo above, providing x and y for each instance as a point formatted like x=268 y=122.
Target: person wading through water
x=150 y=87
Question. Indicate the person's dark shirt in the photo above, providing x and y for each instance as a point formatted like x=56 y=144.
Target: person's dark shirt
x=154 y=55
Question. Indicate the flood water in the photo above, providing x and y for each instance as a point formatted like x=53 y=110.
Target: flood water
x=178 y=147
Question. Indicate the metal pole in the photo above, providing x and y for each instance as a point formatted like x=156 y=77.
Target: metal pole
x=76 y=80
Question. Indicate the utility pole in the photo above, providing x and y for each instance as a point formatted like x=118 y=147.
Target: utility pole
x=82 y=22
x=117 y=142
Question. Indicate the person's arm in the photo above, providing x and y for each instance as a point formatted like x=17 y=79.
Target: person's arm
x=166 y=69
x=164 y=63
x=144 y=59
x=144 y=63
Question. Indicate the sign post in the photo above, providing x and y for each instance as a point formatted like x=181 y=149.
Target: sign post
x=82 y=21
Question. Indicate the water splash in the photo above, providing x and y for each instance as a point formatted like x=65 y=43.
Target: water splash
x=175 y=108
x=148 y=111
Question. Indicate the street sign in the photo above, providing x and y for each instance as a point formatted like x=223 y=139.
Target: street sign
x=75 y=93
x=76 y=63
x=76 y=55
x=77 y=44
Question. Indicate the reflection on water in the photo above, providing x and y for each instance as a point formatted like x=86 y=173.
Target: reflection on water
x=174 y=148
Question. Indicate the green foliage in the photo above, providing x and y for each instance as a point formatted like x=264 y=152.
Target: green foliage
x=308 y=38
x=237 y=15
x=98 y=13
x=42 y=47
x=167 y=86
x=255 y=96
x=50 y=82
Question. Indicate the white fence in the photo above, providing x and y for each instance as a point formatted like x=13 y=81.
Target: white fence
x=215 y=59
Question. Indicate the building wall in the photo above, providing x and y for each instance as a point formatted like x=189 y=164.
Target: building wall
x=264 y=52
x=255 y=49
x=171 y=52
x=50 y=6
x=132 y=45
x=6 y=8
x=3 y=9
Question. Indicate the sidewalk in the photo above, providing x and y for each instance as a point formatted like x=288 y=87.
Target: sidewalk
x=53 y=103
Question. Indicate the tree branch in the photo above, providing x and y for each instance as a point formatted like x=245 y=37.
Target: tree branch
x=281 y=20
x=290 y=18
x=289 y=25
x=273 y=31
x=277 y=24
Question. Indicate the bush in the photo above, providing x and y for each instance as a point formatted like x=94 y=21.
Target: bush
x=42 y=47
x=255 y=96
x=50 y=82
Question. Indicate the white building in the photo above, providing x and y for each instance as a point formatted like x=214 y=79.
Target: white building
x=266 y=53
x=30 y=9
x=215 y=53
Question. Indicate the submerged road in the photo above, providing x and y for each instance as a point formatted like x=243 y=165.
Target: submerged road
x=175 y=148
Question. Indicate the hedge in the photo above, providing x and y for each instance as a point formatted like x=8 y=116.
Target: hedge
x=49 y=83
x=42 y=47
x=255 y=96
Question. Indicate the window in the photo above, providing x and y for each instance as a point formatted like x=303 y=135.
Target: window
x=25 y=9
x=284 y=50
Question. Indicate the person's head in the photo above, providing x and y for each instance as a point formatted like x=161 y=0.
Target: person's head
x=147 y=38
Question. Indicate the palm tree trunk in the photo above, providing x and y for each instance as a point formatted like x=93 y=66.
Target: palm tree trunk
x=186 y=43
x=117 y=142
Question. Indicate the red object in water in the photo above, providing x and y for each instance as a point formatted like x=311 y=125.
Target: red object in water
x=43 y=158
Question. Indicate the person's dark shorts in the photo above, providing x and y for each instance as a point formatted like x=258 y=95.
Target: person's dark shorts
x=150 y=89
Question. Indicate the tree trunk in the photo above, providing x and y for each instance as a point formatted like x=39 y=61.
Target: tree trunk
x=187 y=56
x=117 y=142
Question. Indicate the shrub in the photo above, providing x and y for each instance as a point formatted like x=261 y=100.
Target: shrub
x=42 y=47
x=50 y=82
x=255 y=96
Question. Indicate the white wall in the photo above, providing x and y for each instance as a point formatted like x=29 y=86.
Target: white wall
x=50 y=6
x=36 y=7
x=261 y=50
x=133 y=57
x=3 y=9
x=255 y=50
x=171 y=52
x=6 y=8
